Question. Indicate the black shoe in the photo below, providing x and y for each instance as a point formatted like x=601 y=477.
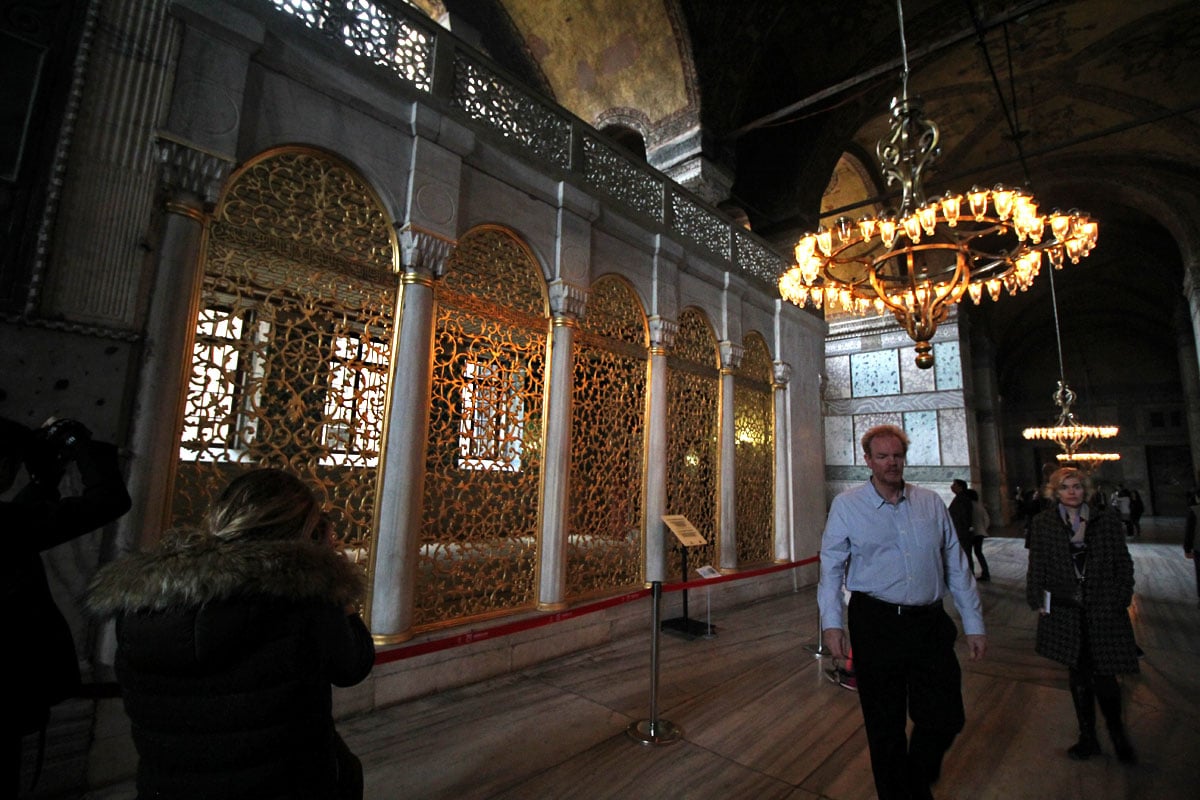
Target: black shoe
x=1085 y=748
x=984 y=578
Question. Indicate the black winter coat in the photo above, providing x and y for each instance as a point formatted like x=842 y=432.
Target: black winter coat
x=225 y=655
x=1107 y=592
x=37 y=519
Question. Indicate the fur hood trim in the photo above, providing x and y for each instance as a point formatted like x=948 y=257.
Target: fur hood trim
x=190 y=569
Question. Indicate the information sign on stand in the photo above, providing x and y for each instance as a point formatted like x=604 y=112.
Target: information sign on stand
x=687 y=536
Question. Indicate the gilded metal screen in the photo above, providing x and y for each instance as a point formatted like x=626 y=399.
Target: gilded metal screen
x=693 y=403
x=292 y=342
x=479 y=527
x=604 y=539
x=754 y=453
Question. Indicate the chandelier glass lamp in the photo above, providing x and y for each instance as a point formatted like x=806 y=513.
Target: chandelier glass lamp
x=919 y=262
x=1068 y=432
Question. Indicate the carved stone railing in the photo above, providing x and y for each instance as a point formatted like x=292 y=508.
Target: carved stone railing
x=428 y=58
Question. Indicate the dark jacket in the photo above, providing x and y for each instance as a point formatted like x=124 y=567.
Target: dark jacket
x=225 y=655
x=961 y=515
x=37 y=519
x=1107 y=592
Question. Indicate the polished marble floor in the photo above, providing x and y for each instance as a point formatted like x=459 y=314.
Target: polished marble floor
x=760 y=720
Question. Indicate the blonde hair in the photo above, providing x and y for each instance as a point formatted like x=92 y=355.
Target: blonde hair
x=884 y=430
x=265 y=504
x=1055 y=482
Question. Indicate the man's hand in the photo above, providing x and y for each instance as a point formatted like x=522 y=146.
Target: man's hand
x=977 y=644
x=834 y=640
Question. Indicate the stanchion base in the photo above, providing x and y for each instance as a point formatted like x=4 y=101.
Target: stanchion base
x=689 y=628
x=818 y=650
x=650 y=732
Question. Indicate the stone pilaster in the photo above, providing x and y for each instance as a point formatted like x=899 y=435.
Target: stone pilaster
x=781 y=374
x=423 y=259
x=731 y=359
x=567 y=303
x=662 y=336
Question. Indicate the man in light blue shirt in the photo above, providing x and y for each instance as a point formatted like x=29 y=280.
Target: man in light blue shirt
x=894 y=547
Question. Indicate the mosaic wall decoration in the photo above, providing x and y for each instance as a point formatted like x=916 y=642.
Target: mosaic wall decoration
x=604 y=538
x=754 y=453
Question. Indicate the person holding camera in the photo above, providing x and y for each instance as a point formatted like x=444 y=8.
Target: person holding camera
x=228 y=639
x=1080 y=580
x=38 y=519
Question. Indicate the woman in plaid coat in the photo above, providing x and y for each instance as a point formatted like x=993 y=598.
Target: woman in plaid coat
x=1078 y=555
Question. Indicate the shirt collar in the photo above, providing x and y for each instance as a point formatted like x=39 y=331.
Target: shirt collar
x=882 y=502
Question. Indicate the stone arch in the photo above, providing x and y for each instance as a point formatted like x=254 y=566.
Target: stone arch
x=754 y=452
x=291 y=341
x=480 y=512
x=693 y=427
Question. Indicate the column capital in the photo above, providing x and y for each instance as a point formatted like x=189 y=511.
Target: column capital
x=423 y=253
x=781 y=374
x=191 y=176
x=662 y=333
x=731 y=355
x=567 y=299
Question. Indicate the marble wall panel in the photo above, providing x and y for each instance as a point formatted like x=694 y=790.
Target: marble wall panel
x=912 y=377
x=840 y=445
x=947 y=365
x=922 y=430
x=837 y=377
x=952 y=428
x=874 y=374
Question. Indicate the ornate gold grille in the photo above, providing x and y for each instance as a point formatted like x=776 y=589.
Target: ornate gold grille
x=605 y=542
x=292 y=342
x=693 y=393
x=754 y=453
x=479 y=531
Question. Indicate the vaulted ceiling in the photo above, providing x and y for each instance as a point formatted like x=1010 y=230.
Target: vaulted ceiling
x=1093 y=104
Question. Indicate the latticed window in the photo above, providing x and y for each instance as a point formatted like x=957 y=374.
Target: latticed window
x=493 y=417
x=354 y=399
x=223 y=362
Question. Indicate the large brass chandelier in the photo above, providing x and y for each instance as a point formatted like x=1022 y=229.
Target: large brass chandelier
x=919 y=262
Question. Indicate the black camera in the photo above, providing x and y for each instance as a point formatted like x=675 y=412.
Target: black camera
x=52 y=447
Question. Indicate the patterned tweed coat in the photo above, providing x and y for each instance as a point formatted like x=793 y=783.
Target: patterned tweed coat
x=1107 y=592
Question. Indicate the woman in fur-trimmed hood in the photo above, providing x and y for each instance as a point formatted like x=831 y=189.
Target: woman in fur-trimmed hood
x=227 y=642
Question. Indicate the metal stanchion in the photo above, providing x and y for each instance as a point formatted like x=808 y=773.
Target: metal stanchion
x=654 y=730
x=818 y=650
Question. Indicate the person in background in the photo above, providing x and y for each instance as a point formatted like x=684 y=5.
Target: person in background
x=970 y=523
x=228 y=639
x=1080 y=580
x=1137 y=507
x=38 y=518
x=1189 y=535
x=894 y=547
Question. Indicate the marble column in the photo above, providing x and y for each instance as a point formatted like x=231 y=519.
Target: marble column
x=731 y=359
x=662 y=336
x=1189 y=360
x=191 y=180
x=402 y=489
x=781 y=373
x=566 y=306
